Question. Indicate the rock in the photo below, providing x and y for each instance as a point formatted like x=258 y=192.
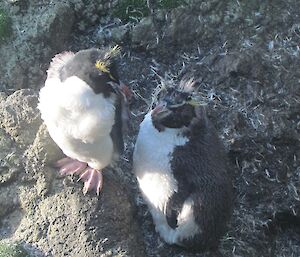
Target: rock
x=33 y=44
x=118 y=34
x=111 y=33
x=144 y=33
x=5 y=26
x=66 y=222
x=10 y=168
x=39 y=31
x=179 y=24
x=47 y=212
x=38 y=159
x=188 y=23
x=55 y=25
x=246 y=64
x=89 y=13
x=8 y=200
x=19 y=116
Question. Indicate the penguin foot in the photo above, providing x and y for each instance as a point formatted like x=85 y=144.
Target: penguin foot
x=69 y=166
x=93 y=179
x=62 y=162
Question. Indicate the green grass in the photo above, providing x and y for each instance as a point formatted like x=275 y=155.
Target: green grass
x=5 y=26
x=134 y=10
x=12 y=250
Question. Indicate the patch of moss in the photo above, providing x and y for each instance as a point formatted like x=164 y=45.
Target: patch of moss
x=170 y=4
x=134 y=10
x=12 y=250
x=131 y=10
x=5 y=25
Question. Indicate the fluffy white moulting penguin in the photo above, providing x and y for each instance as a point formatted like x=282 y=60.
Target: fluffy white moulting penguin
x=84 y=109
x=182 y=172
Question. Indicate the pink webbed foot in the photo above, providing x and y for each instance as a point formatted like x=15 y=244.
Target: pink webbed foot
x=62 y=162
x=69 y=166
x=93 y=179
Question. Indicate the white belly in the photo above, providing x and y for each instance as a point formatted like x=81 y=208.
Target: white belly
x=151 y=162
x=78 y=120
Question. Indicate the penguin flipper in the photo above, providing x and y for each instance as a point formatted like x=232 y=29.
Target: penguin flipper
x=174 y=206
x=117 y=131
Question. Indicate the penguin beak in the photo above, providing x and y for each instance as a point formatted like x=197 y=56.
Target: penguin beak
x=125 y=91
x=115 y=86
x=122 y=89
x=160 y=111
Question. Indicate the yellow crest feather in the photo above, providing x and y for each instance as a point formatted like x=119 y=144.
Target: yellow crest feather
x=113 y=52
x=102 y=66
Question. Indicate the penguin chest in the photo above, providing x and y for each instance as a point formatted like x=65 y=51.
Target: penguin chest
x=152 y=163
x=78 y=120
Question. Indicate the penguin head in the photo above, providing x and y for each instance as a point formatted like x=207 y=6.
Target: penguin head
x=175 y=107
x=95 y=67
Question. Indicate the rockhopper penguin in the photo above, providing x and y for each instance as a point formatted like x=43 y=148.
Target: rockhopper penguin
x=181 y=169
x=84 y=109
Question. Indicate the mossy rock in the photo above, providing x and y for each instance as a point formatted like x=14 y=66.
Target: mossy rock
x=135 y=10
x=12 y=250
x=130 y=10
x=170 y=4
x=5 y=25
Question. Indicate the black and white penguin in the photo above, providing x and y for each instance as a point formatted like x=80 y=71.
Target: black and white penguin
x=84 y=108
x=181 y=168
